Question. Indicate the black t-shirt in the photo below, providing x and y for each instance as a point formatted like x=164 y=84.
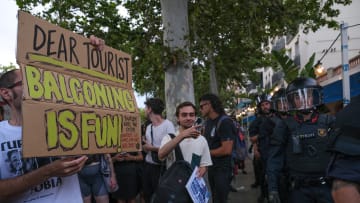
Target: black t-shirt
x=254 y=127
x=214 y=136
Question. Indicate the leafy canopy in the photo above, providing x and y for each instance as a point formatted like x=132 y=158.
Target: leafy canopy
x=231 y=32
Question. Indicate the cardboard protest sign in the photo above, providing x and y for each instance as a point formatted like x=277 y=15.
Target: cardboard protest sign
x=77 y=99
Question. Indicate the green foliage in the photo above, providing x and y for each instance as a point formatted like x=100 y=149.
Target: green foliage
x=4 y=69
x=290 y=69
x=308 y=70
x=232 y=31
x=287 y=65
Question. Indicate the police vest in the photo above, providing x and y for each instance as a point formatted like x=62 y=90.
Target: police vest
x=307 y=144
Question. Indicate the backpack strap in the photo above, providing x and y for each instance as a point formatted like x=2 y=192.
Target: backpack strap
x=151 y=134
x=223 y=117
x=178 y=153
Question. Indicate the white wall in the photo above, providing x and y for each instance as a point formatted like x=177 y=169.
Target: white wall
x=321 y=40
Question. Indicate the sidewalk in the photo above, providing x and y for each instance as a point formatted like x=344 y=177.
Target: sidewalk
x=246 y=194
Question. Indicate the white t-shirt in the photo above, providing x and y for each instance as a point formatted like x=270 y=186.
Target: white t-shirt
x=193 y=150
x=54 y=190
x=159 y=132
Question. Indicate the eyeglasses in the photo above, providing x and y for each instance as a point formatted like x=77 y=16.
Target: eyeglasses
x=202 y=105
x=18 y=83
x=187 y=114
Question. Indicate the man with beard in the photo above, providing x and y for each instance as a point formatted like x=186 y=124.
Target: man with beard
x=259 y=134
x=20 y=188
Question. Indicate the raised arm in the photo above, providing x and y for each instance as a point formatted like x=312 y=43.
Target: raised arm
x=170 y=145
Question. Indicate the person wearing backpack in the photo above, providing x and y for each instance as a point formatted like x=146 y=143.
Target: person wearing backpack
x=220 y=140
x=182 y=153
x=299 y=143
x=194 y=147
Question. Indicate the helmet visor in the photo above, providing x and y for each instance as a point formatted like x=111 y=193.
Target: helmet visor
x=304 y=99
x=280 y=104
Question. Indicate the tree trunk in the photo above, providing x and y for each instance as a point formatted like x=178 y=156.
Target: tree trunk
x=213 y=80
x=179 y=85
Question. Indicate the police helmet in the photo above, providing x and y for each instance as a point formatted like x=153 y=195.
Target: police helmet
x=279 y=101
x=262 y=98
x=304 y=94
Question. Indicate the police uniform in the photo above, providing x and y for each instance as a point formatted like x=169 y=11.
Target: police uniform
x=262 y=129
x=300 y=145
x=345 y=164
x=306 y=158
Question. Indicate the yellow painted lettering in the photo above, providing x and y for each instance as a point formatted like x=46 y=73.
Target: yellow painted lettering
x=87 y=126
x=118 y=98
x=100 y=135
x=110 y=98
x=113 y=130
x=63 y=90
x=51 y=130
x=101 y=98
x=51 y=87
x=89 y=93
x=70 y=135
x=33 y=78
x=129 y=102
x=74 y=85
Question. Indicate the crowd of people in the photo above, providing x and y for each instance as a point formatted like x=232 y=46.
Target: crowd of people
x=300 y=154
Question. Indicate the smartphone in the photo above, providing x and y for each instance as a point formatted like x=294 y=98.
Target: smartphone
x=198 y=121
x=123 y=153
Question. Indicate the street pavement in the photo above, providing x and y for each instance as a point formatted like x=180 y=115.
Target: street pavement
x=245 y=193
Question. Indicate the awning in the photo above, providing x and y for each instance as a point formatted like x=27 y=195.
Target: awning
x=333 y=91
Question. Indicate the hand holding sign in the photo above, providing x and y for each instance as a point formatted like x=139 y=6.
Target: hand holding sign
x=97 y=42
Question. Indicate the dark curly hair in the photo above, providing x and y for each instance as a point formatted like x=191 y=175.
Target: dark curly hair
x=215 y=102
x=156 y=105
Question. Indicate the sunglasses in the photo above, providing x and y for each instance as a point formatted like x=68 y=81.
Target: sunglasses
x=18 y=83
x=202 y=105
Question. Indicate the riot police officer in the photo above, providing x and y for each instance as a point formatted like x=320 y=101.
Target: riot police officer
x=301 y=142
x=344 y=168
x=260 y=138
x=280 y=106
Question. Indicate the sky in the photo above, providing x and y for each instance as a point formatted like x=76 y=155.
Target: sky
x=8 y=24
x=8 y=35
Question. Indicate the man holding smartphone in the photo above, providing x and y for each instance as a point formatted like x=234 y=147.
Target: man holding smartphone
x=193 y=146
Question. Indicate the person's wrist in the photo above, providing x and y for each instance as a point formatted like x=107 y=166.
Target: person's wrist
x=46 y=171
